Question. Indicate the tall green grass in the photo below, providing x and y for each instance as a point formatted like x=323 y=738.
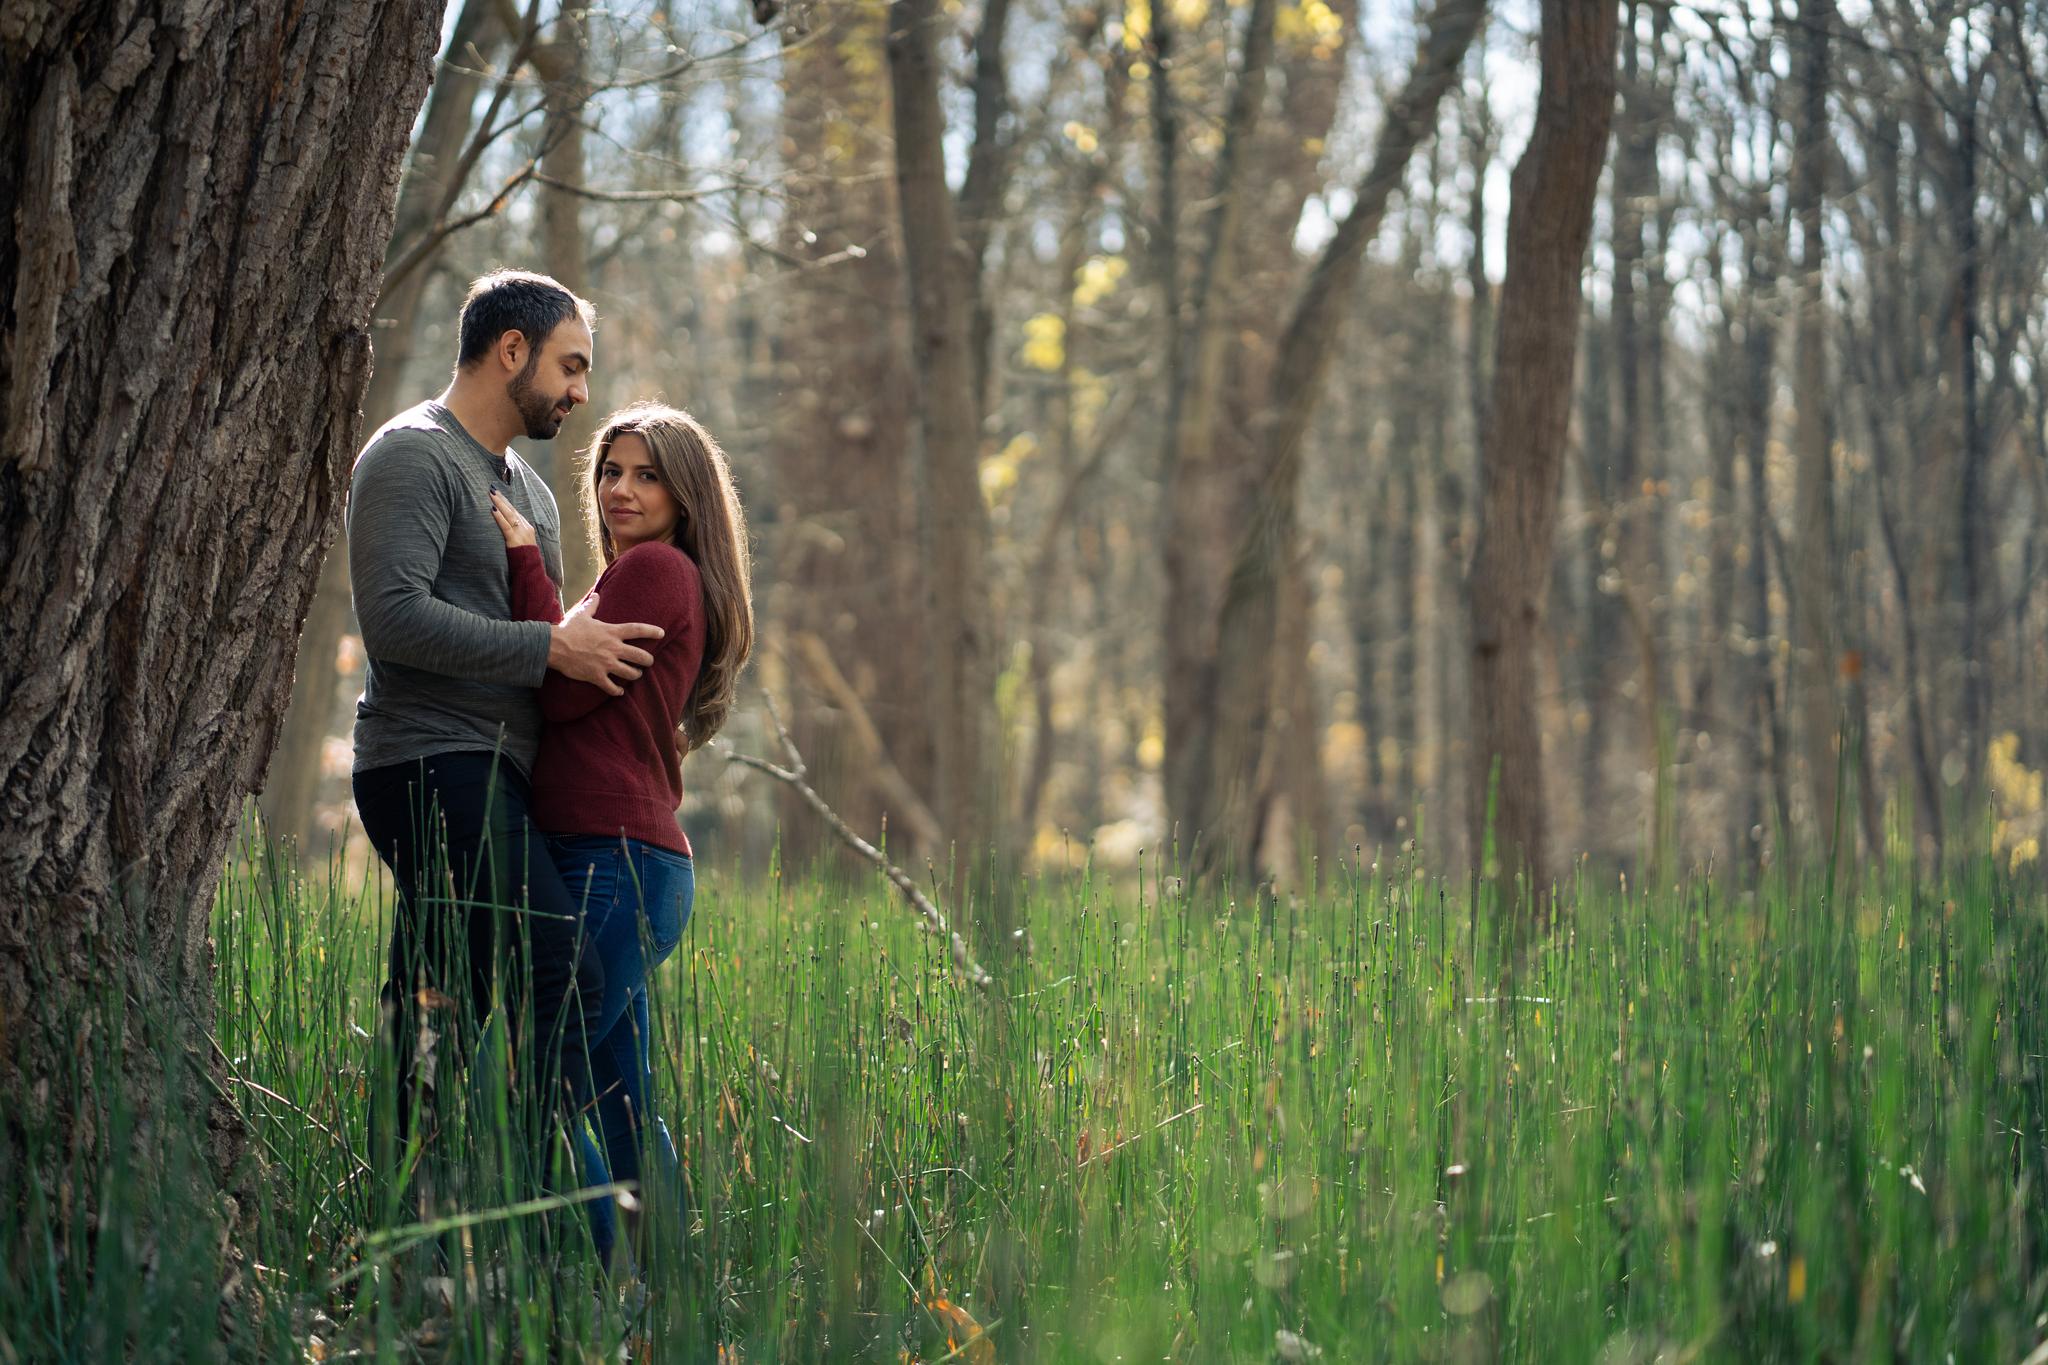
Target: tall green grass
x=1781 y=1125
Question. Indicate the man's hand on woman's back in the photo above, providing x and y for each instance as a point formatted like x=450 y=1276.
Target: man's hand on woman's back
x=593 y=651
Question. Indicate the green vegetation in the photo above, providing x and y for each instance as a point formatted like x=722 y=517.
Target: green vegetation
x=1783 y=1126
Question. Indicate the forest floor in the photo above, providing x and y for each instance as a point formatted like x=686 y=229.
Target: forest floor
x=1701 y=1124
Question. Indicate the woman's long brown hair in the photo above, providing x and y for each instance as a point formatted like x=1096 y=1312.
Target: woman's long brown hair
x=710 y=528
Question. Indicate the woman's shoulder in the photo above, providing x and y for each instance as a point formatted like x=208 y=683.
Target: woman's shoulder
x=659 y=576
x=657 y=560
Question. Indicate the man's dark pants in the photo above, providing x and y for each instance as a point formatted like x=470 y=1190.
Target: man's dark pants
x=479 y=902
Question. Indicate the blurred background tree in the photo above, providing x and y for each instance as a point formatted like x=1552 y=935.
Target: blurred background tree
x=1113 y=389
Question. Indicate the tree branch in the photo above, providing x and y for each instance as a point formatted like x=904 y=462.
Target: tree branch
x=795 y=776
x=895 y=789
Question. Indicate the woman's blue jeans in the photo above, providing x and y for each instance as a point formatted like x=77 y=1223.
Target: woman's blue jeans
x=636 y=899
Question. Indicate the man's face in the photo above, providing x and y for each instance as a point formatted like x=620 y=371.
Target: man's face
x=554 y=379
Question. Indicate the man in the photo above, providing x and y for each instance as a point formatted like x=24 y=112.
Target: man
x=449 y=719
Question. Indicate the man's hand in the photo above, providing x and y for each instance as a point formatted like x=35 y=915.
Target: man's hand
x=594 y=651
x=516 y=529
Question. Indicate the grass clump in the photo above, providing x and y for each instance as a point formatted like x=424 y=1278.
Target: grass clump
x=1776 y=1125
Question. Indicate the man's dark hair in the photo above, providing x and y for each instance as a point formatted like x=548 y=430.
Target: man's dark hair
x=515 y=301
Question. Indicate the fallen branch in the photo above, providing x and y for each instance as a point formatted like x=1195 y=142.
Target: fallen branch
x=895 y=789
x=795 y=776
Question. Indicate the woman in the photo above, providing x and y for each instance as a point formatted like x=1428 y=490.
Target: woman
x=666 y=518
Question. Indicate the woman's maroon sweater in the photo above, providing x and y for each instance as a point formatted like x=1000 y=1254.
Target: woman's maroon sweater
x=613 y=765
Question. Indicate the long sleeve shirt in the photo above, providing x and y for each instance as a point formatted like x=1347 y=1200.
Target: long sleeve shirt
x=449 y=667
x=610 y=765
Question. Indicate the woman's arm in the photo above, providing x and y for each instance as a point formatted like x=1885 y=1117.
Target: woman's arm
x=653 y=583
x=533 y=592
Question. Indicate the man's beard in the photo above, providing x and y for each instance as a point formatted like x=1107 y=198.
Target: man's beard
x=540 y=412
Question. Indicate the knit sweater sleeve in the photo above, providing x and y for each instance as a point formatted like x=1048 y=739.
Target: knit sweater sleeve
x=650 y=584
x=533 y=592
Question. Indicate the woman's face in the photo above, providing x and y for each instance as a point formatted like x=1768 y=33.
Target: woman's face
x=630 y=497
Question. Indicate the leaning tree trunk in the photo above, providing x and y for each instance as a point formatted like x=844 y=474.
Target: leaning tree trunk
x=1550 y=218
x=205 y=193
x=1249 y=616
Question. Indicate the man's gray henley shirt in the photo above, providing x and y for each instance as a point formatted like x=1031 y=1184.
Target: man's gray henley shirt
x=449 y=669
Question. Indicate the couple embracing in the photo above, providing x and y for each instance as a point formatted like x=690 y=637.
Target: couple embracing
x=518 y=768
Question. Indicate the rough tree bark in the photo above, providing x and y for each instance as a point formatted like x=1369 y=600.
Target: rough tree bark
x=203 y=195
x=432 y=179
x=954 y=521
x=1550 y=218
x=1268 y=529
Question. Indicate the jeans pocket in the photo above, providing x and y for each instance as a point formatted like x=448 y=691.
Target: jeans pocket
x=592 y=873
x=668 y=885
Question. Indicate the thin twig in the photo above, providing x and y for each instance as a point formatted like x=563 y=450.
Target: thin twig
x=795 y=776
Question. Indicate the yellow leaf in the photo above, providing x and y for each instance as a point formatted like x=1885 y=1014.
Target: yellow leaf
x=1045 y=342
x=1098 y=278
x=1312 y=23
x=1137 y=23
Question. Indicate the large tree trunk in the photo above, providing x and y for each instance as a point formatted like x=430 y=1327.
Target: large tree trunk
x=1550 y=218
x=1973 y=521
x=1248 y=618
x=1202 y=489
x=1813 y=554
x=954 y=521
x=205 y=194
x=432 y=180
x=840 y=539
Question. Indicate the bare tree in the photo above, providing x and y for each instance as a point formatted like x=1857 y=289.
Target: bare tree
x=1248 y=619
x=564 y=64
x=1198 y=493
x=840 y=540
x=172 y=313
x=944 y=286
x=1814 y=596
x=1550 y=219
